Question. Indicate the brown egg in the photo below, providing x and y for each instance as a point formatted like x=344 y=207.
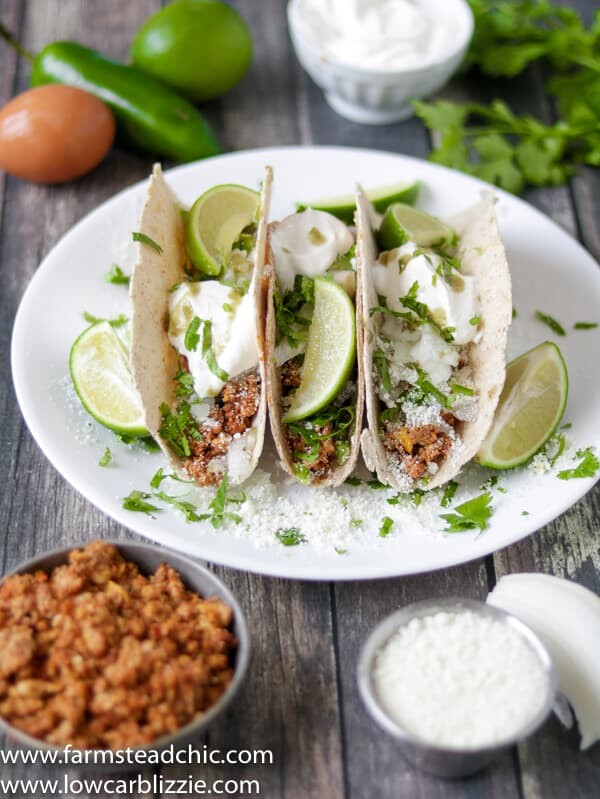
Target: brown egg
x=54 y=133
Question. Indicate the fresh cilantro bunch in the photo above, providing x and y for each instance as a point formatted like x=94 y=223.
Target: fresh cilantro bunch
x=493 y=143
x=510 y=35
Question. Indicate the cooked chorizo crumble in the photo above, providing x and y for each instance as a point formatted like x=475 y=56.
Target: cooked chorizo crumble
x=100 y=656
x=231 y=415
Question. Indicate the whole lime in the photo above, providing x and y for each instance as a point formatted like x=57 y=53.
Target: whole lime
x=200 y=47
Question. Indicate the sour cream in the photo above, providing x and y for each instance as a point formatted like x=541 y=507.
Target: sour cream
x=383 y=34
x=452 y=304
x=307 y=243
x=233 y=319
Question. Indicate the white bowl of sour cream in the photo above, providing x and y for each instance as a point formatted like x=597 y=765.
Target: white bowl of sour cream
x=371 y=57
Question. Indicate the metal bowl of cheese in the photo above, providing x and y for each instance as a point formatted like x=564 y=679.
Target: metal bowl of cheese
x=456 y=682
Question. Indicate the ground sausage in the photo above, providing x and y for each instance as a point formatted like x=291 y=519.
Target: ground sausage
x=231 y=415
x=97 y=655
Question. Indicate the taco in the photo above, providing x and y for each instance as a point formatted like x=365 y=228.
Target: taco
x=436 y=312
x=311 y=254
x=197 y=347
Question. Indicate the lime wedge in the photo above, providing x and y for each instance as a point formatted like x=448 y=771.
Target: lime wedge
x=344 y=207
x=215 y=222
x=402 y=223
x=330 y=351
x=530 y=409
x=100 y=372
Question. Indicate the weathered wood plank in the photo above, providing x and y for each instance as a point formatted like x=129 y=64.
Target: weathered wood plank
x=39 y=510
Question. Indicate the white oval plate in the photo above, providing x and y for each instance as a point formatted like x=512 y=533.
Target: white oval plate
x=551 y=272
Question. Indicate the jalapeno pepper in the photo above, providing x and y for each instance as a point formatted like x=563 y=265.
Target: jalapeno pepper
x=149 y=115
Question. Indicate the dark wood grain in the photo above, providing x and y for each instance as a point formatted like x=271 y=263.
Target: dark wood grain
x=300 y=700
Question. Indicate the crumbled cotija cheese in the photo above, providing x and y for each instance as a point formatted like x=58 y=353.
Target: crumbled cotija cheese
x=458 y=679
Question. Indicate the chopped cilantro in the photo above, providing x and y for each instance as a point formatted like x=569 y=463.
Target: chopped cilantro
x=118 y=321
x=427 y=387
x=386 y=527
x=339 y=420
x=585 y=325
x=587 y=467
x=566 y=426
x=471 y=515
x=291 y=324
x=343 y=263
x=136 y=501
x=185 y=382
x=422 y=312
x=290 y=536
x=375 y=484
x=475 y=320
x=192 y=337
x=514 y=312
x=458 y=389
x=178 y=427
x=189 y=510
x=552 y=323
x=227 y=307
x=490 y=483
x=416 y=496
x=382 y=367
x=117 y=276
x=246 y=240
x=341 y=551
x=356 y=522
x=219 y=503
x=143 y=239
x=106 y=458
x=157 y=478
x=449 y=492
x=302 y=472
x=524 y=513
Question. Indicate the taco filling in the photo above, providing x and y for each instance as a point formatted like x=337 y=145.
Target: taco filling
x=306 y=247
x=429 y=314
x=212 y=326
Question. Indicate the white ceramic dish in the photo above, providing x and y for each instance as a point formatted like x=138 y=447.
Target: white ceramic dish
x=551 y=272
x=375 y=96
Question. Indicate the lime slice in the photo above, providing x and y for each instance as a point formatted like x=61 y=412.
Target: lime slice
x=330 y=351
x=402 y=223
x=530 y=409
x=344 y=207
x=102 y=379
x=215 y=222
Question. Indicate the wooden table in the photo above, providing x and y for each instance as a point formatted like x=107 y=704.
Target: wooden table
x=300 y=700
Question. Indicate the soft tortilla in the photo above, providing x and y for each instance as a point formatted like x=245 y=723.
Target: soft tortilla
x=154 y=362
x=337 y=476
x=482 y=255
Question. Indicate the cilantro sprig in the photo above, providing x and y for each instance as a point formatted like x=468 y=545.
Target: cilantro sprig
x=117 y=276
x=471 y=515
x=292 y=324
x=117 y=321
x=290 y=536
x=142 y=238
x=587 y=467
x=493 y=143
x=552 y=323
